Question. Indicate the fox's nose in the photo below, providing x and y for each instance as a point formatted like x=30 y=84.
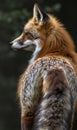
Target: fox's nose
x=11 y=43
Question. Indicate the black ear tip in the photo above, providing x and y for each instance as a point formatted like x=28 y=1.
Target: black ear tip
x=36 y=4
x=36 y=1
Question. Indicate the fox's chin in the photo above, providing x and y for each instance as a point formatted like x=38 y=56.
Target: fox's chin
x=29 y=48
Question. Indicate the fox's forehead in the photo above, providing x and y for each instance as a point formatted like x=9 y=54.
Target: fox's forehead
x=28 y=26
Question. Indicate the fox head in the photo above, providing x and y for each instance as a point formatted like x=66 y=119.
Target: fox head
x=43 y=34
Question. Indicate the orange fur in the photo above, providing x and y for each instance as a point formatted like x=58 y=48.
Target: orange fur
x=54 y=39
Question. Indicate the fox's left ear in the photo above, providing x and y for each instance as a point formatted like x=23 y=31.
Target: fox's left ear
x=39 y=15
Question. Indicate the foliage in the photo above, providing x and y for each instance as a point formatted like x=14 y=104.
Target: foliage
x=55 y=7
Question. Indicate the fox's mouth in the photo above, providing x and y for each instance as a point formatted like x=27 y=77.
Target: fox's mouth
x=28 y=47
x=19 y=46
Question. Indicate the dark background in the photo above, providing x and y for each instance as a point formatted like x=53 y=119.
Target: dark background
x=13 y=16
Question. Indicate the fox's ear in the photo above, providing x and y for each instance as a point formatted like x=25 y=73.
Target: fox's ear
x=39 y=15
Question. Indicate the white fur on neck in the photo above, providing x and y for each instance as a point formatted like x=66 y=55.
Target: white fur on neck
x=37 y=50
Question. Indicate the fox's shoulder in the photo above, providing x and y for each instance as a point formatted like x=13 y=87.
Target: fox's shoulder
x=42 y=66
x=48 y=63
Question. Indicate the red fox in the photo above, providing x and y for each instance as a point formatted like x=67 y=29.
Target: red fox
x=48 y=88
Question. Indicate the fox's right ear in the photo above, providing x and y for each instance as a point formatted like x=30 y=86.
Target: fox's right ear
x=39 y=15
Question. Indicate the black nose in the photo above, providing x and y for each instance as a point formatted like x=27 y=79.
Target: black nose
x=11 y=43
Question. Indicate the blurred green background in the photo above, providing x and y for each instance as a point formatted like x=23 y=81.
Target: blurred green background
x=13 y=15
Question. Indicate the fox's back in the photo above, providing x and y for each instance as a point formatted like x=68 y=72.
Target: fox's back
x=50 y=78
x=44 y=65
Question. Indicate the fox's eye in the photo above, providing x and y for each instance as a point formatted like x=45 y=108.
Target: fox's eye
x=29 y=34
